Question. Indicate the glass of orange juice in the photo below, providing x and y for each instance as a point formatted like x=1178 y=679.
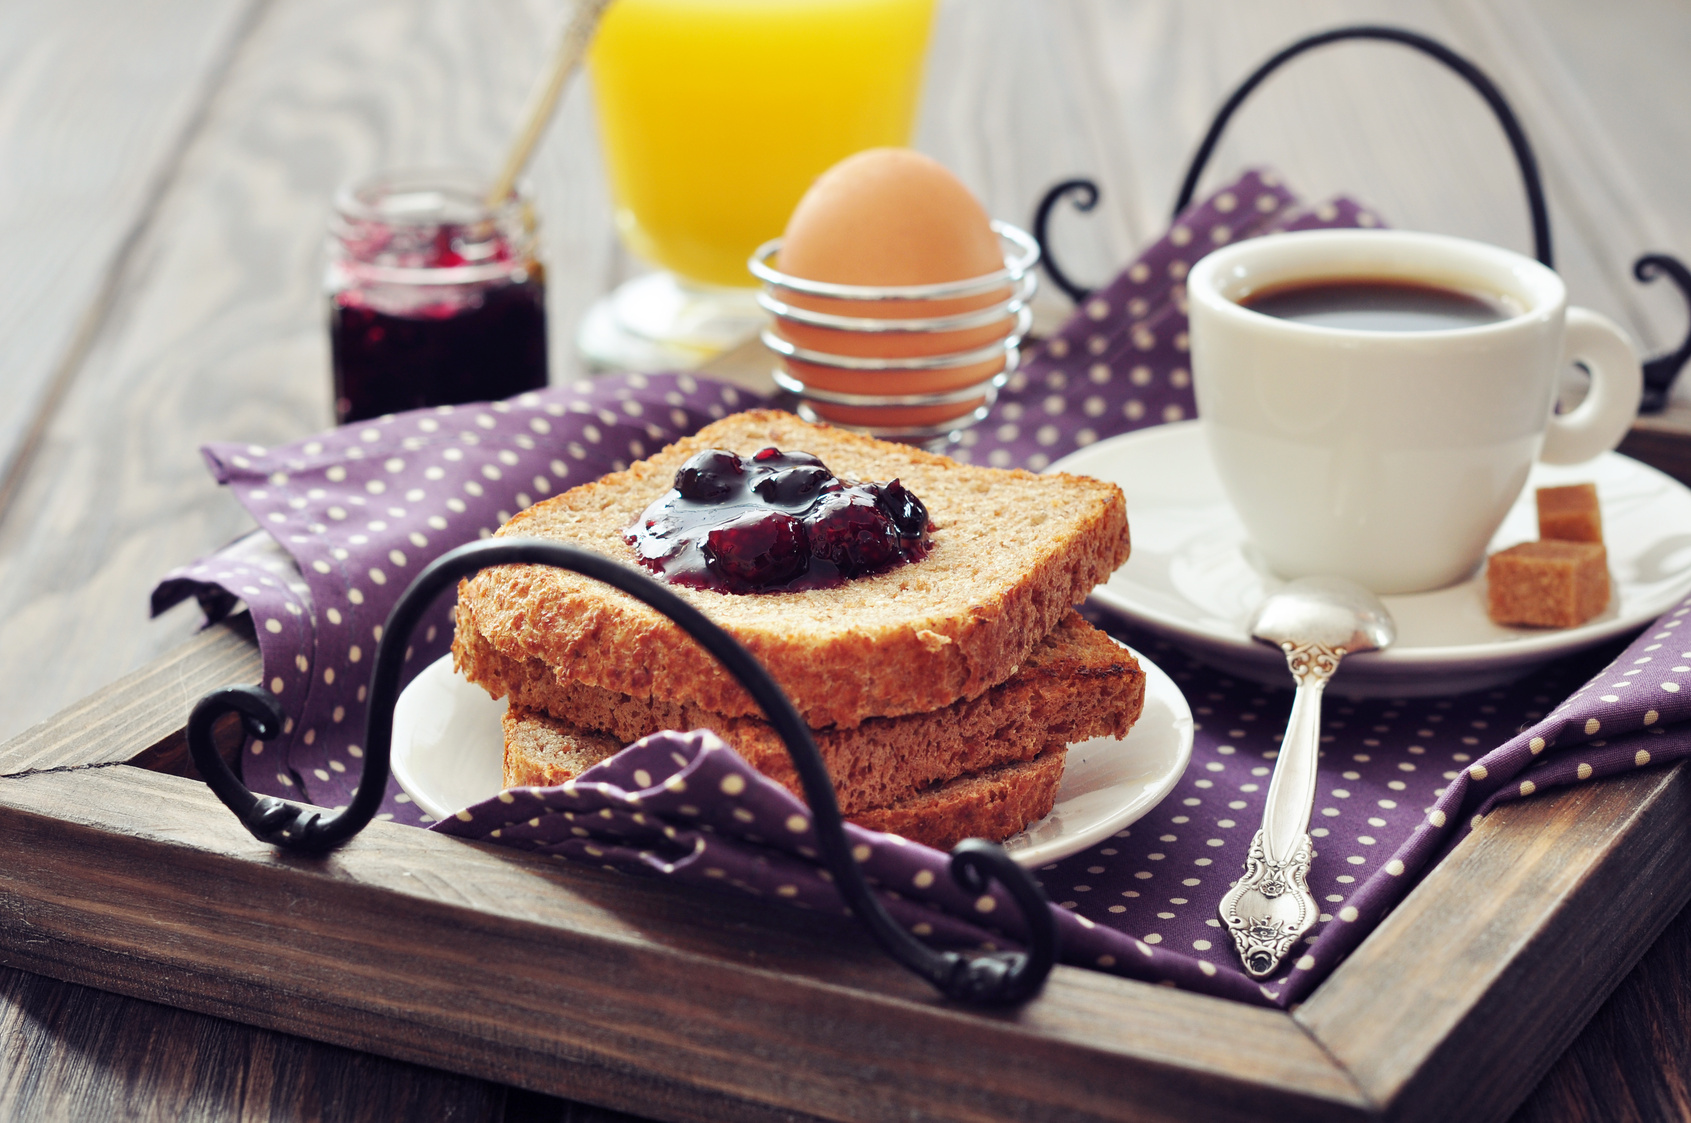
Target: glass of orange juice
x=715 y=117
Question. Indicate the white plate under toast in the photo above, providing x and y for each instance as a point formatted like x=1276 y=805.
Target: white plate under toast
x=449 y=746
x=1195 y=578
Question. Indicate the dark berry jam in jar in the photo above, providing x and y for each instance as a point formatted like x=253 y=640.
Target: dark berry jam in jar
x=434 y=298
x=776 y=522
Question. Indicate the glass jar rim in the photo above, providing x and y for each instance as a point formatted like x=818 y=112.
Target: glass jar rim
x=420 y=202
x=427 y=197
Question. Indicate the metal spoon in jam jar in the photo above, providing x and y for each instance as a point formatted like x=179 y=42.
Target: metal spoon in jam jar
x=1316 y=621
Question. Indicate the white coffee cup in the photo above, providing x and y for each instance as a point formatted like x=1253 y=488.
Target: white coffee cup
x=1391 y=457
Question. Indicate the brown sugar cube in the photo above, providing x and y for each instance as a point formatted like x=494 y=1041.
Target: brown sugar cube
x=1570 y=514
x=1547 y=584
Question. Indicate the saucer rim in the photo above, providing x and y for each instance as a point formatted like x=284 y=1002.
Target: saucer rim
x=1532 y=647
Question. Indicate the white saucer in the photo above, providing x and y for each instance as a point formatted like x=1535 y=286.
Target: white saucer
x=1195 y=578
x=448 y=753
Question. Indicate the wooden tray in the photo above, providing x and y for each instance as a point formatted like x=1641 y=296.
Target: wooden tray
x=126 y=875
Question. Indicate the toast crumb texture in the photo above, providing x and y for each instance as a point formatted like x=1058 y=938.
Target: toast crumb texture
x=541 y=751
x=1076 y=684
x=1012 y=553
x=993 y=805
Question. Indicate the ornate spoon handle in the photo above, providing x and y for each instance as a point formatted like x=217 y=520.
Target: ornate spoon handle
x=1270 y=908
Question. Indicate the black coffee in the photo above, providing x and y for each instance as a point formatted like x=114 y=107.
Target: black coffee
x=1378 y=304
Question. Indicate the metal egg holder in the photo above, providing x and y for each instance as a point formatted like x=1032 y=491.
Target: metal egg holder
x=1021 y=255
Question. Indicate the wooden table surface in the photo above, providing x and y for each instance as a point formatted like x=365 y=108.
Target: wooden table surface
x=165 y=173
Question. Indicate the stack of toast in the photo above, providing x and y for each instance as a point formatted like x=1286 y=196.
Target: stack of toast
x=941 y=693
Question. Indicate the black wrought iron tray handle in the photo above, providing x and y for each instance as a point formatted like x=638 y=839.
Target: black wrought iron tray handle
x=1659 y=372
x=985 y=978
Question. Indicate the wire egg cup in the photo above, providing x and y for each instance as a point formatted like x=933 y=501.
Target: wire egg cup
x=1020 y=256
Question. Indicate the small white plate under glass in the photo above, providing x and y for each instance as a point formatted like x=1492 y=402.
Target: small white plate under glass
x=448 y=753
x=1194 y=577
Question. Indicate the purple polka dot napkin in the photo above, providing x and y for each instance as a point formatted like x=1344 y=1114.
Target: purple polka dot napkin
x=1400 y=781
x=353 y=514
x=688 y=807
x=349 y=516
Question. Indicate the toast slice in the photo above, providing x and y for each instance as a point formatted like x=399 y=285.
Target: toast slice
x=993 y=805
x=541 y=751
x=1012 y=553
x=1077 y=683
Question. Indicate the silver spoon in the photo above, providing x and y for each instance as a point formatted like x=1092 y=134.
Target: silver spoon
x=1316 y=621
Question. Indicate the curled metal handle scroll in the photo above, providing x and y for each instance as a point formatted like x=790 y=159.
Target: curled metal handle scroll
x=995 y=978
x=1086 y=197
x=1660 y=371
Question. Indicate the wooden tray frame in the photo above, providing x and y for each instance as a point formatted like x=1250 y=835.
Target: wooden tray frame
x=689 y=1005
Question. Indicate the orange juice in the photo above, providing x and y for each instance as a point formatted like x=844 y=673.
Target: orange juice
x=716 y=115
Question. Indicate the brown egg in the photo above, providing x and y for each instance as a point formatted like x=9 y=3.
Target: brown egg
x=891 y=216
x=888 y=216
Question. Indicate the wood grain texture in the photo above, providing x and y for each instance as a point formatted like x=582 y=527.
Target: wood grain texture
x=1594 y=91
x=215 y=326
x=72 y=1052
x=144 y=710
x=612 y=989
x=96 y=101
x=1630 y=1063
x=1457 y=1004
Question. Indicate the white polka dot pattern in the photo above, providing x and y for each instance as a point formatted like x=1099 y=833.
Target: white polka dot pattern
x=1387 y=769
x=354 y=514
x=629 y=813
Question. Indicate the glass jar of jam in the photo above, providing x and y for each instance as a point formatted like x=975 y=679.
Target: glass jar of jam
x=434 y=298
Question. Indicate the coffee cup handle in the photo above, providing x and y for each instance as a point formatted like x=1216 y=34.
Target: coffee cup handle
x=1617 y=381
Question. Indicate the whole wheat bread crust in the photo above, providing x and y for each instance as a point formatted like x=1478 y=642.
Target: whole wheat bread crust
x=1077 y=683
x=995 y=803
x=1012 y=553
